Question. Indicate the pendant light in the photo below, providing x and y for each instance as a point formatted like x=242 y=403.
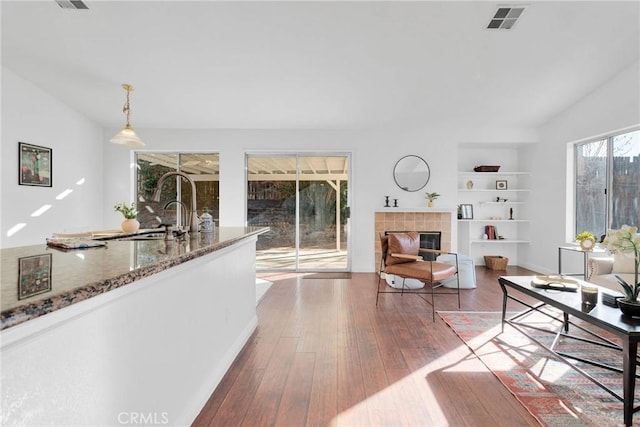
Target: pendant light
x=127 y=136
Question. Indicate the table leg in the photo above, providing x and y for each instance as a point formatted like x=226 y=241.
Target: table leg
x=566 y=322
x=504 y=304
x=629 y=350
x=560 y=261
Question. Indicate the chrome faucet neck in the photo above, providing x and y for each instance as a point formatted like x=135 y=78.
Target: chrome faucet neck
x=193 y=222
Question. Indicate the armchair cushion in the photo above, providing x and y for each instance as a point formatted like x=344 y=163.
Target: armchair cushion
x=623 y=263
x=402 y=243
x=601 y=272
x=427 y=271
x=600 y=266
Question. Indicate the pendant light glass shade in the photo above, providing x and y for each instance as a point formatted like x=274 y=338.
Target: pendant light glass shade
x=127 y=136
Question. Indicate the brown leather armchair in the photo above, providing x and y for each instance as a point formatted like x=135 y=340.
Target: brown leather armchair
x=401 y=257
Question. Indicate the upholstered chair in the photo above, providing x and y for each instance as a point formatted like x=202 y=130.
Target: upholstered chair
x=400 y=256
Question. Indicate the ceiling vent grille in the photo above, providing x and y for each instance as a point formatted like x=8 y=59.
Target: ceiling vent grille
x=505 y=17
x=71 y=4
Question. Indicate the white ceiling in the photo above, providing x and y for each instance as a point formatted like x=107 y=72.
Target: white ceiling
x=334 y=65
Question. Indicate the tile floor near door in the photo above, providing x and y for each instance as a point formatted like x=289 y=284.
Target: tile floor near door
x=324 y=354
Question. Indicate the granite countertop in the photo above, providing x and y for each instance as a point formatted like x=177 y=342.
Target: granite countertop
x=39 y=279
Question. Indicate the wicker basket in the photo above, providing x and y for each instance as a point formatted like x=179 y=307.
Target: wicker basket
x=486 y=168
x=493 y=262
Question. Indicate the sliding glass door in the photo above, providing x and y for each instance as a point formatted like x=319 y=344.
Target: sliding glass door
x=304 y=201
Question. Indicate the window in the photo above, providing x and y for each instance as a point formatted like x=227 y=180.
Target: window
x=607 y=179
x=175 y=197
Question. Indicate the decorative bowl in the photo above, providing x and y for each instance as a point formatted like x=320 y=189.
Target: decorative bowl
x=629 y=308
x=486 y=168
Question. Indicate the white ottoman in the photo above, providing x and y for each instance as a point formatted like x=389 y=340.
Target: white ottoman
x=399 y=282
x=466 y=271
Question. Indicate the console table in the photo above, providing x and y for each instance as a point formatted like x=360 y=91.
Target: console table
x=569 y=304
x=585 y=255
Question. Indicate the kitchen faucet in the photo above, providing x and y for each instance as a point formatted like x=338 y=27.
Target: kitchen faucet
x=184 y=212
x=193 y=224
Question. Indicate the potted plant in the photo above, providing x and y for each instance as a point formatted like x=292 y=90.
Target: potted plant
x=130 y=223
x=431 y=197
x=587 y=240
x=627 y=242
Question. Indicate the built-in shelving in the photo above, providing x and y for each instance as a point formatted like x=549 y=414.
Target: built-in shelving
x=480 y=189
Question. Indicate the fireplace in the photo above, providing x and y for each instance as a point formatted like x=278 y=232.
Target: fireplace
x=428 y=240
x=437 y=220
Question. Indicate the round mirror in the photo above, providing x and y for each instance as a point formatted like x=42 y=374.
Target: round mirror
x=411 y=173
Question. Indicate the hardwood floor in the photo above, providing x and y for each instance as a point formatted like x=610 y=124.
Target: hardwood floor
x=324 y=354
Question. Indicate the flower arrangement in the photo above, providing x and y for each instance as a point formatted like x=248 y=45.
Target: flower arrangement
x=626 y=241
x=431 y=196
x=129 y=212
x=585 y=235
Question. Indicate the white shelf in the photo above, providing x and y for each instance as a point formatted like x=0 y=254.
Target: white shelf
x=491 y=173
x=464 y=190
x=493 y=220
x=501 y=203
x=498 y=241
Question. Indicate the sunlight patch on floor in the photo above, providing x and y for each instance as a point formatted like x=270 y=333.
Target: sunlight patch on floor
x=403 y=402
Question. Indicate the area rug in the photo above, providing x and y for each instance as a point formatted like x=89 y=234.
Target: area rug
x=553 y=392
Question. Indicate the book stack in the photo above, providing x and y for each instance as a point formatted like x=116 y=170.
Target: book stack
x=491 y=232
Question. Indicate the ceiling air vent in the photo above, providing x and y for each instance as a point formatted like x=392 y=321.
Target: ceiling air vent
x=505 y=17
x=71 y=4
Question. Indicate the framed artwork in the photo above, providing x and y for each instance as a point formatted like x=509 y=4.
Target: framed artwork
x=34 y=275
x=501 y=185
x=465 y=212
x=34 y=165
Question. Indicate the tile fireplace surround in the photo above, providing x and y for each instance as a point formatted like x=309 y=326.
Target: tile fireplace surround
x=415 y=220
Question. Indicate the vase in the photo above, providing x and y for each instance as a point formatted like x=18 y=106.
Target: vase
x=130 y=225
x=430 y=203
x=629 y=308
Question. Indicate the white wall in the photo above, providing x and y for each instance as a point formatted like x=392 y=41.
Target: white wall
x=374 y=154
x=31 y=115
x=613 y=106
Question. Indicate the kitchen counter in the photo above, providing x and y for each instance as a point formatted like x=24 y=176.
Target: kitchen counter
x=138 y=328
x=53 y=279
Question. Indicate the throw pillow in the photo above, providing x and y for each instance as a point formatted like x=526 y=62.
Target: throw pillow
x=402 y=243
x=623 y=263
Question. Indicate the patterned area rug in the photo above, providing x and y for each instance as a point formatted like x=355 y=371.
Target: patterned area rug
x=553 y=392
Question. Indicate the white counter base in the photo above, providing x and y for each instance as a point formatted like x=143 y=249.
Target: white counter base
x=152 y=351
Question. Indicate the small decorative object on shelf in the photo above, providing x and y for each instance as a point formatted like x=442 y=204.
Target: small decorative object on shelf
x=626 y=241
x=469 y=185
x=484 y=168
x=511 y=213
x=431 y=197
x=130 y=224
x=500 y=199
x=386 y=202
x=587 y=240
x=501 y=184
x=465 y=211
x=395 y=203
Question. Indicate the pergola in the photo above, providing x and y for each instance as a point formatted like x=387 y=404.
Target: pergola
x=272 y=167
